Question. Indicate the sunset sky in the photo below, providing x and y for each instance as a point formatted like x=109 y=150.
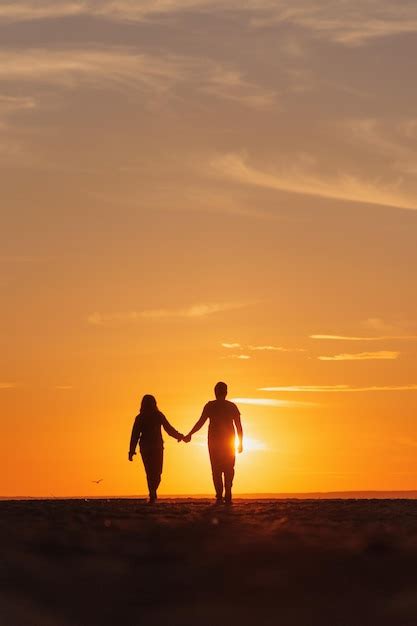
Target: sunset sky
x=194 y=191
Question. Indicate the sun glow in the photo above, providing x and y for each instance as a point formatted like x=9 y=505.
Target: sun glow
x=251 y=445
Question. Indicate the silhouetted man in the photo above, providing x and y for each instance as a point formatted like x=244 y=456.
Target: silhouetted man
x=224 y=417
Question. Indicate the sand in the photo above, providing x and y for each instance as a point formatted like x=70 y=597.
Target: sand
x=183 y=562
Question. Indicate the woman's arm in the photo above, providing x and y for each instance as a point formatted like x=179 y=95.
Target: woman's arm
x=170 y=429
x=134 y=438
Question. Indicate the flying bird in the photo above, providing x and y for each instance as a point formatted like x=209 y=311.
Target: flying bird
x=97 y=481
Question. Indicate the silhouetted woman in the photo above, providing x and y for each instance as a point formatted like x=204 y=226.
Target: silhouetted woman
x=147 y=430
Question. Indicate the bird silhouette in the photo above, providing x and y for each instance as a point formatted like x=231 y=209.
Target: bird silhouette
x=97 y=481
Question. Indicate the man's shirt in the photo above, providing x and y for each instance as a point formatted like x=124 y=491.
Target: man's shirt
x=223 y=416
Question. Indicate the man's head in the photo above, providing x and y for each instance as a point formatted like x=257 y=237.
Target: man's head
x=220 y=391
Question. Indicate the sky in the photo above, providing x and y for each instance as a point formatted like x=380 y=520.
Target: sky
x=196 y=191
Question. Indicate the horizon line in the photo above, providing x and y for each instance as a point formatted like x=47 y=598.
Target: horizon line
x=303 y=495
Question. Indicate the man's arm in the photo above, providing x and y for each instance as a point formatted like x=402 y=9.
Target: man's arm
x=170 y=429
x=197 y=425
x=134 y=438
x=239 y=430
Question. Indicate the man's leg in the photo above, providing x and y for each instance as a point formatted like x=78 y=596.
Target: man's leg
x=216 y=470
x=229 y=473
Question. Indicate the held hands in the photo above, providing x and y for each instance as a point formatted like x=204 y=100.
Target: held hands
x=187 y=438
x=180 y=437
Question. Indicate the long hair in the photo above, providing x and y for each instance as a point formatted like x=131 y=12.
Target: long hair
x=148 y=405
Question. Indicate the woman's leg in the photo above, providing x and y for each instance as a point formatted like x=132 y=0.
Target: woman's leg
x=153 y=462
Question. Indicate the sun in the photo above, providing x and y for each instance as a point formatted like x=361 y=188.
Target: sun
x=250 y=445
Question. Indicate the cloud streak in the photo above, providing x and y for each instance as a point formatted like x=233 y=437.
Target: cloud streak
x=362 y=356
x=353 y=338
x=349 y=23
x=259 y=348
x=337 y=388
x=124 y=68
x=8 y=385
x=268 y=402
x=193 y=312
x=10 y=105
x=300 y=178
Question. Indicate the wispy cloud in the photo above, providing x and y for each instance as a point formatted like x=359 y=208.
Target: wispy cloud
x=353 y=338
x=362 y=356
x=242 y=357
x=195 y=311
x=269 y=348
x=392 y=140
x=37 y=10
x=268 y=402
x=260 y=348
x=8 y=385
x=231 y=85
x=348 y=23
x=119 y=67
x=125 y=68
x=10 y=105
x=302 y=178
x=337 y=388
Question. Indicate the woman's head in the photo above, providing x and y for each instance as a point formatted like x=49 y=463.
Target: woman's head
x=148 y=404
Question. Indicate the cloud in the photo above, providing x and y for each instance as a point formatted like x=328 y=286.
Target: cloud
x=302 y=178
x=119 y=67
x=362 y=356
x=350 y=23
x=229 y=84
x=378 y=324
x=268 y=402
x=196 y=311
x=269 y=348
x=124 y=68
x=37 y=10
x=10 y=105
x=392 y=140
x=242 y=357
x=353 y=338
x=8 y=385
x=260 y=348
x=337 y=388
x=64 y=387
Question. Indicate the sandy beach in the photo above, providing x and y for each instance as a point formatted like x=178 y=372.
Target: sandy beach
x=289 y=562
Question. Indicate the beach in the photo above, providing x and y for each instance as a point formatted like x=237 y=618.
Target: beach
x=290 y=562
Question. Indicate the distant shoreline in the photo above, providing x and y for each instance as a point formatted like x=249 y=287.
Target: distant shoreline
x=316 y=495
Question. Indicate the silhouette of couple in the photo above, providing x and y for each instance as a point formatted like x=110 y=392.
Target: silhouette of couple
x=223 y=418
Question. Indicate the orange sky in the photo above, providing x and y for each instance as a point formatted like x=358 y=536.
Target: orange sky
x=194 y=192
